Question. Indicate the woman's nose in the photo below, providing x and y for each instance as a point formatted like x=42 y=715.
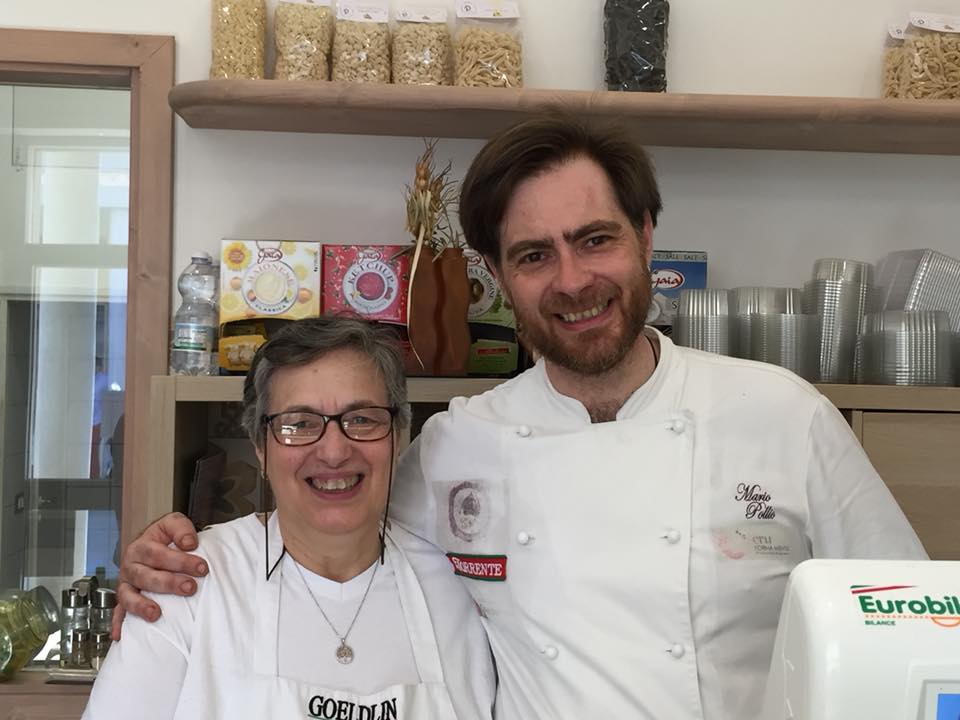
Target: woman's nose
x=333 y=447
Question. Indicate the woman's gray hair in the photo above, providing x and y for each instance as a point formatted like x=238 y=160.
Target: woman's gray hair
x=304 y=341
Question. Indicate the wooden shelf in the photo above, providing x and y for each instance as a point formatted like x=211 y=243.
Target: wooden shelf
x=716 y=121
x=440 y=390
x=894 y=398
x=419 y=390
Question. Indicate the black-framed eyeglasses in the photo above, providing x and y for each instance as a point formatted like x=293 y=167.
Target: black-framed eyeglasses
x=305 y=428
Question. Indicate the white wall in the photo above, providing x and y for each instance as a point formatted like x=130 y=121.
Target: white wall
x=763 y=216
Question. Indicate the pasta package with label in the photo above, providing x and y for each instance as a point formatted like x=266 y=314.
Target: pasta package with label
x=635 y=35
x=422 y=47
x=239 y=39
x=361 y=43
x=303 y=35
x=925 y=64
x=488 y=49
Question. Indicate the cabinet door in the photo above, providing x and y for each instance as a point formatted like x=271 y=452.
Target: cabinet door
x=918 y=455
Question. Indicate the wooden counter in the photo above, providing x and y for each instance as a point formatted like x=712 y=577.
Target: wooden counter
x=29 y=697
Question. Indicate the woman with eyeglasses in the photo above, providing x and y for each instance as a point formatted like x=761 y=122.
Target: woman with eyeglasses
x=324 y=611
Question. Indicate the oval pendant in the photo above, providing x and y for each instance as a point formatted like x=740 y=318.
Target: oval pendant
x=344 y=653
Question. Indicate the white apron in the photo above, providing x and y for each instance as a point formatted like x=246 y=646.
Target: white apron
x=272 y=696
x=580 y=562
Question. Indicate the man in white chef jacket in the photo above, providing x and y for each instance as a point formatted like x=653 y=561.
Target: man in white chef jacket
x=625 y=513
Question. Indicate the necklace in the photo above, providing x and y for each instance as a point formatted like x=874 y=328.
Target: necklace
x=344 y=651
x=655 y=349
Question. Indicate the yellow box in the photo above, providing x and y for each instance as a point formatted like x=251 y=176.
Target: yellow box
x=269 y=279
x=236 y=352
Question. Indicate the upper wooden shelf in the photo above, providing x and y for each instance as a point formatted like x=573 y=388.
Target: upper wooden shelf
x=440 y=390
x=715 y=121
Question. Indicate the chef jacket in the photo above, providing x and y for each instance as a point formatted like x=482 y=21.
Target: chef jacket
x=636 y=568
x=228 y=652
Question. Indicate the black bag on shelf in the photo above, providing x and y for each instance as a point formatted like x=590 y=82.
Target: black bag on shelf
x=635 y=34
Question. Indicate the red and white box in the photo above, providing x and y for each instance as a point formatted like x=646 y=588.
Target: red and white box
x=369 y=280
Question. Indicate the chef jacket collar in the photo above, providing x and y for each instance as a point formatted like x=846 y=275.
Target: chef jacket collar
x=653 y=394
x=641 y=399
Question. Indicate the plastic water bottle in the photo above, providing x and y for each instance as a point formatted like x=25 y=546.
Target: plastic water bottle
x=193 y=347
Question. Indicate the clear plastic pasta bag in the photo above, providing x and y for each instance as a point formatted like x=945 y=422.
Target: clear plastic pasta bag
x=422 y=47
x=303 y=36
x=361 y=43
x=239 y=37
x=926 y=64
x=488 y=48
x=635 y=40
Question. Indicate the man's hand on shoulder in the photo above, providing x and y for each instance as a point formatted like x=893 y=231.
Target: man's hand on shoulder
x=148 y=563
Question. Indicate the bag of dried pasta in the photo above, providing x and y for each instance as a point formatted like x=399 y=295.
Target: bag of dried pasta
x=361 y=42
x=927 y=65
x=488 y=50
x=239 y=39
x=303 y=35
x=422 y=47
x=894 y=64
x=635 y=42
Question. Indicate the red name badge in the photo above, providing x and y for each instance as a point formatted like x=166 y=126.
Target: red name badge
x=479 y=567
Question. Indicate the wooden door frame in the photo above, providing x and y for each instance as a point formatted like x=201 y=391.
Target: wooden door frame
x=145 y=65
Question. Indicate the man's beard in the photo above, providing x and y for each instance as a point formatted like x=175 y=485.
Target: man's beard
x=595 y=351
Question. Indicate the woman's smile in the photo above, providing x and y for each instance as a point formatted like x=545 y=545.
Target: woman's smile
x=337 y=487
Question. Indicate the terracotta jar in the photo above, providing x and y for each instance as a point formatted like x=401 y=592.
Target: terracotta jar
x=439 y=300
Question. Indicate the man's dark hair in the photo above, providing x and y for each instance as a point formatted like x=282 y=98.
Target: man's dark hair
x=535 y=146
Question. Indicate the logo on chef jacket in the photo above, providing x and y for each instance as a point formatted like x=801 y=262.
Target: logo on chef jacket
x=885 y=605
x=756 y=501
x=468 y=510
x=326 y=708
x=757 y=540
x=479 y=567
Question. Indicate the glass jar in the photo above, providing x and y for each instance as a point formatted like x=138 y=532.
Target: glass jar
x=101 y=609
x=80 y=648
x=26 y=620
x=99 y=647
x=75 y=614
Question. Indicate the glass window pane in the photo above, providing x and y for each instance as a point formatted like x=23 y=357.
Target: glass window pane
x=64 y=204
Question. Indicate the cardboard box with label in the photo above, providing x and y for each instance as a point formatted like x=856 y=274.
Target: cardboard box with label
x=369 y=280
x=275 y=279
x=672 y=271
x=263 y=280
x=493 y=335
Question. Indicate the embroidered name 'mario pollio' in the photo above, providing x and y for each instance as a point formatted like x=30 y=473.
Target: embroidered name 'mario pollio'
x=479 y=567
x=888 y=608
